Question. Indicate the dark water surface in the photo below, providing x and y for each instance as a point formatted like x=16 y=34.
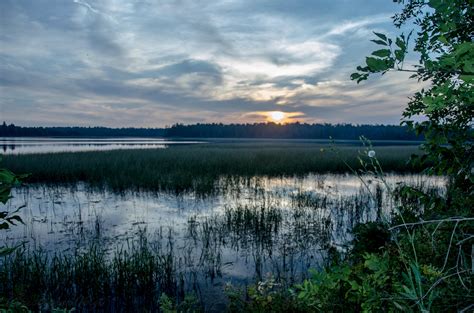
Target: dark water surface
x=248 y=229
x=25 y=145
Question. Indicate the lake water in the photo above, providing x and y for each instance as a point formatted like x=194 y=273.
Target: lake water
x=249 y=228
x=25 y=145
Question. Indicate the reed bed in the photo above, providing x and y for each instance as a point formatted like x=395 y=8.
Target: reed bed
x=197 y=167
x=283 y=234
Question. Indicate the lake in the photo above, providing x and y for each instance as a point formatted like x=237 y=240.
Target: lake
x=29 y=145
x=25 y=145
x=249 y=230
x=189 y=217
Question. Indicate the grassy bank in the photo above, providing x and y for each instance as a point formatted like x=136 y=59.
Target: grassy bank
x=197 y=167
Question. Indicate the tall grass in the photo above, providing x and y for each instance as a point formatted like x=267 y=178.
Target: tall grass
x=92 y=280
x=279 y=233
x=196 y=167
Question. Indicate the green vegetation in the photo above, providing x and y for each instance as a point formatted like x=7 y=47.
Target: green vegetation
x=278 y=233
x=8 y=180
x=93 y=280
x=197 y=167
x=256 y=130
x=420 y=260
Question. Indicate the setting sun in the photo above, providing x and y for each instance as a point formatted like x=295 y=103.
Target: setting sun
x=276 y=116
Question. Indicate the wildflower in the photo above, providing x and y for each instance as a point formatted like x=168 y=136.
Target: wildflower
x=371 y=153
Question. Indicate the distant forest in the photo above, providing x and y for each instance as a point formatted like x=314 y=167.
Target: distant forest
x=257 y=130
x=292 y=131
x=19 y=131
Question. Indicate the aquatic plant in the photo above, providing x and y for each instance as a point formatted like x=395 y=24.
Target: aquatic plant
x=195 y=168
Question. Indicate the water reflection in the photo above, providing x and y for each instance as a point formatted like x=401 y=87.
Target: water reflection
x=24 y=145
x=248 y=228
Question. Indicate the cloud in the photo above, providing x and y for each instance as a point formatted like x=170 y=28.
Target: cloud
x=286 y=117
x=146 y=63
x=353 y=26
x=87 y=6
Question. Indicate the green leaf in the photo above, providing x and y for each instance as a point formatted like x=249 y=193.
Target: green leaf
x=379 y=42
x=464 y=48
x=381 y=36
x=399 y=55
x=435 y=4
x=6 y=176
x=443 y=40
x=400 y=43
x=376 y=65
x=355 y=76
x=382 y=53
x=468 y=66
x=4 y=251
x=467 y=78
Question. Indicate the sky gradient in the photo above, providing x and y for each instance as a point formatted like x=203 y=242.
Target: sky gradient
x=145 y=63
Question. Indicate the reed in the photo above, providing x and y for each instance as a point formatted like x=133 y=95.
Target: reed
x=197 y=167
x=279 y=233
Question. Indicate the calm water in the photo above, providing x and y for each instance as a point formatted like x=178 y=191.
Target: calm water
x=250 y=228
x=24 y=145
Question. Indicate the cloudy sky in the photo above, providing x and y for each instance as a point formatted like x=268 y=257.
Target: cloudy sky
x=151 y=63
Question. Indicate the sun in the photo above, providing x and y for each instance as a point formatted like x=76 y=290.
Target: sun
x=276 y=116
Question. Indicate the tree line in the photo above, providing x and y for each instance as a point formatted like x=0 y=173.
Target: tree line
x=19 y=131
x=218 y=130
x=292 y=131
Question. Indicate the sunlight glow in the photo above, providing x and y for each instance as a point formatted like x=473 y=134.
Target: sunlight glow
x=276 y=116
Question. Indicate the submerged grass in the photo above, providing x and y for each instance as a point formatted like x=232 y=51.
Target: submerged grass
x=279 y=233
x=196 y=167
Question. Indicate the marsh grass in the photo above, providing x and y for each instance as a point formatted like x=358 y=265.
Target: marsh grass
x=92 y=280
x=279 y=233
x=196 y=167
x=136 y=274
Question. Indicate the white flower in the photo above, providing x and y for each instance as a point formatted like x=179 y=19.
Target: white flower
x=371 y=153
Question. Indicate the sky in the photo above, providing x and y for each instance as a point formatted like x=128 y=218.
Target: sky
x=144 y=63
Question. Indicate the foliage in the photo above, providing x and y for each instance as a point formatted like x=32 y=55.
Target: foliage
x=369 y=238
x=190 y=304
x=420 y=259
x=8 y=180
x=266 y=296
x=444 y=43
x=15 y=306
x=443 y=112
x=365 y=286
